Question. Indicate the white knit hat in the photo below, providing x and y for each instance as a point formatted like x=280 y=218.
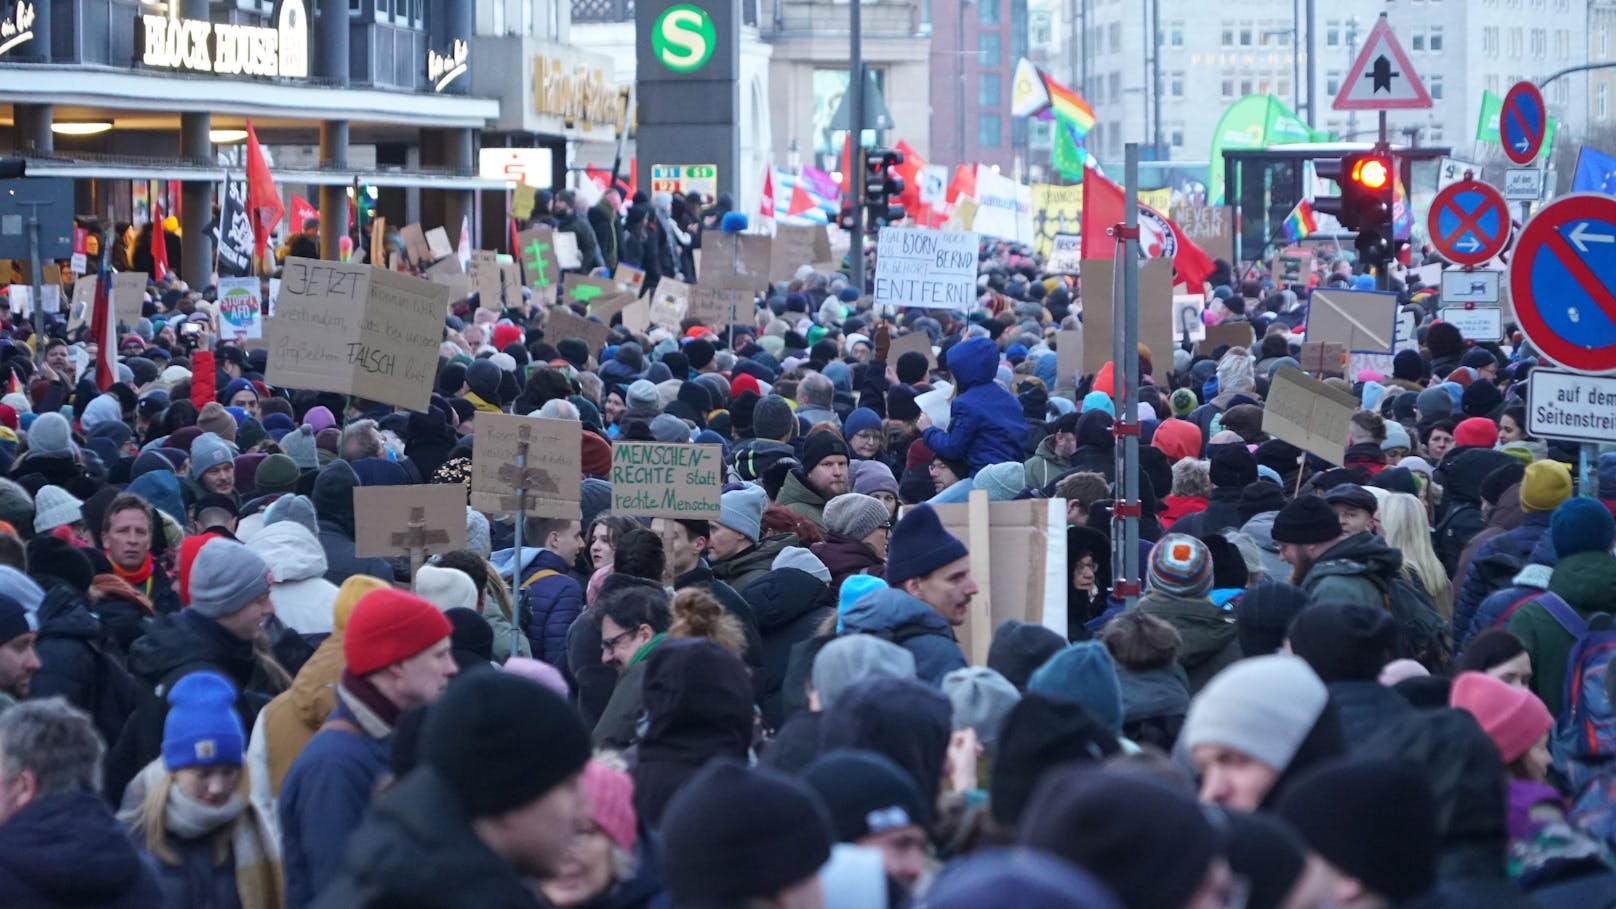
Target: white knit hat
x=445 y=588
x=54 y=507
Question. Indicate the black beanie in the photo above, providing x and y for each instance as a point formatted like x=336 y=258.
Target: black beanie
x=500 y=741
x=1113 y=823
x=1500 y=480
x=1344 y=642
x=1263 y=615
x=819 y=446
x=1019 y=648
x=1258 y=498
x=1270 y=855
x=50 y=556
x=866 y=794
x=1375 y=820
x=713 y=852
x=483 y=379
x=699 y=352
x=901 y=404
x=1233 y=467
x=1039 y=734
x=912 y=367
x=1480 y=399
x=740 y=413
x=1228 y=565
x=471 y=641
x=574 y=351
x=1309 y=519
x=678 y=364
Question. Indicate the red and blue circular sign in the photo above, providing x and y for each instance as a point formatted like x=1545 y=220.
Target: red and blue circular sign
x=1468 y=223
x=1522 y=123
x=1560 y=279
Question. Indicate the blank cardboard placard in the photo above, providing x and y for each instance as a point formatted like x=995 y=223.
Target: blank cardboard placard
x=1309 y=414
x=1025 y=578
x=448 y=273
x=128 y=295
x=796 y=245
x=669 y=303
x=1155 y=314
x=523 y=198
x=83 y=300
x=637 y=315
x=357 y=330
x=567 y=253
x=917 y=341
x=610 y=305
x=713 y=306
x=537 y=254
x=1323 y=358
x=666 y=479
x=415 y=244
x=1230 y=334
x=562 y=323
x=437 y=242
x=1068 y=361
x=416 y=521
x=552 y=475
x=483 y=273
x=1360 y=320
x=734 y=261
x=378 y=240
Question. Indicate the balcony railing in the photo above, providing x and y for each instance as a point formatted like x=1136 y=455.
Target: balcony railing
x=623 y=11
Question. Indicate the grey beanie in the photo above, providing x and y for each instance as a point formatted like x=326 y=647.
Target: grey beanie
x=803 y=560
x=1240 y=709
x=642 y=397
x=1002 y=482
x=54 y=507
x=854 y=515
x=299 y=446
x=772 y=418
x=741 y=510
x=50 y=435
x=478 y=533
x=208 y=451
x=982 y=700
x=297 y=509
x=1433 y=403
x=669 y=428
x=854 y=659
x=16 y=505
x=225 y=577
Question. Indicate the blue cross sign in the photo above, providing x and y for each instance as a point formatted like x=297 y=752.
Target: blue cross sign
x=1468 y=222
x=1560 y=278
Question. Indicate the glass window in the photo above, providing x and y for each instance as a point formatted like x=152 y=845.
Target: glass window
x=1332 y=34
x=1114 y=87
x=987 y=48
x=499 y=17
x=1416 y=42
x=1433 y=83
x=1175 y=35
x=1175 y=85
x=1227 y=89
x=1246 y=87
x=987 y=130
x=1332 y=84
x=1178 y=136
x=987 y=12
x=1227 y=37
x=1114 y=32
x=1245 y=37
x=988 y=90
x=1436 y=39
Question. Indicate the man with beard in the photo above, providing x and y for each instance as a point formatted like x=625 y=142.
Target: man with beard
x=1330 y=564
x=822 y=477
x=18 y=661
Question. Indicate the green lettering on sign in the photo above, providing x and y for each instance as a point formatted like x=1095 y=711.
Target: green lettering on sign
x=683 y=38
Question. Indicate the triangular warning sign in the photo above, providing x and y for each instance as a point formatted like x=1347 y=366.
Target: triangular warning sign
x=1382 y=78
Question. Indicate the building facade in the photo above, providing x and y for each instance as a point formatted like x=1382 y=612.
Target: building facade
x=975 y=46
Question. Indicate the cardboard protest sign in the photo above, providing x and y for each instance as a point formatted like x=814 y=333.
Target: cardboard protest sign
x=50 y=298
x=1309 y=414
x=796 y=245
x=567 y=254
x=712 y=306
x=669 y=303
x=610 y=305
x=523 y=198
x=1066 y=255
x=413 y=521
x=448 y=273
x=415 y=247
x=240 y=310
x=562 y=323
x=536 y=253
x=510 y=286
x=378 y=242
x=1068 y=361
x=1017 y=562
x=357 y=330
x=585 y=289
x=482 y=273
x=1360 y=320
x=128 y=294
x=1231 y=334
x=934 y=269
x=20 y=299
x=1209 y=227
x=734 y=261
x=666 y=479
x=917 y=341
x=637 y=315
x=1293 y=266
x=629 y=278
x=553 y=470
x=1155 y=308
x=437 y=243
x=1187 y=322
x=1323 y=358
x=83 y=301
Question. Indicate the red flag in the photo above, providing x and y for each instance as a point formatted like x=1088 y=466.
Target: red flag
x=909 y=170
x=963 y=184
x=302 y=211
x=103 y=320
x=264 y=208
x=766 y=207
x=801 y=203
x=847 y=166
x=1103 y=208
x=159 y=245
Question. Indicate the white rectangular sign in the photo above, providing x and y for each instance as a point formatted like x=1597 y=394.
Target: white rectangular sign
x=933 y=269
x=1481 y=323
x=1571 y=406
x=1523 y=184
x=1470 y=286
x=1452 y=170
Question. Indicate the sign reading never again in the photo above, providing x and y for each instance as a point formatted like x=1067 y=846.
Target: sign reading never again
x=356 y=330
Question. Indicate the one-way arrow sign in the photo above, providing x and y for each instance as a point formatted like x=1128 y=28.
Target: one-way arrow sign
x=1382 y=77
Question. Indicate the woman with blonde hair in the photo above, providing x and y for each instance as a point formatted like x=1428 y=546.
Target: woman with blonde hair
x=1404 y=526
x=189 y=809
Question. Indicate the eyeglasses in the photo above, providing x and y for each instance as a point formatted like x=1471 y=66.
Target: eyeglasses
x=609 y=644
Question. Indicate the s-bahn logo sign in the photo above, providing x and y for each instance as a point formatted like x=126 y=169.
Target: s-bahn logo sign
x=683 y=38
x=223 y=49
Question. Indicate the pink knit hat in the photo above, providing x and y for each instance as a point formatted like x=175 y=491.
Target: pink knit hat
x=1512 y=717
x=611 y=803
x=538 y=671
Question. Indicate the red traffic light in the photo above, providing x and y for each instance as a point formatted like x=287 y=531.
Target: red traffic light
x=1372 y=173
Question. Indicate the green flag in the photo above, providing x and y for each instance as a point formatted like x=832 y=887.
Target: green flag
x=1255 y=121
x=1487 y=123
x=1067 y=155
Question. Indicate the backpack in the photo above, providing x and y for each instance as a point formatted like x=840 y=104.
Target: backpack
x=1422 y=635
x=1584 y=737
x=1454 y=532
x=1502 y=619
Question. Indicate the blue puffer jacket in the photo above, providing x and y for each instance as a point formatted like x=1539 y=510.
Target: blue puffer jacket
x=68 y=850
x=912 y=625
x=322 y=802
x=1494 y=564
x=553 y=602
x=986 y=425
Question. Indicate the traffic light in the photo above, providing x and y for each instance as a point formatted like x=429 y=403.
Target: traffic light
x=881 y=185
x=1366 y=182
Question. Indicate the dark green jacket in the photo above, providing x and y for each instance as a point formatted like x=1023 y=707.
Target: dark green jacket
x=1210 y=641
x=1587 y=582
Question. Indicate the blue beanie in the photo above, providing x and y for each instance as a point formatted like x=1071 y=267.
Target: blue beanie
x=859 y=420
x=1085 y=674
x=854 y=588
x=202 y=729
x=236 y=385
x=919 y=546
x=1581 y=525
x=1098 y=400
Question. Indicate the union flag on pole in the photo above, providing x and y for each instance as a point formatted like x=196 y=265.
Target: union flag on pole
x=264 y=206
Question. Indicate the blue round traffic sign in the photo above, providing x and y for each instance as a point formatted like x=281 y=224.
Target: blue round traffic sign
x=1468 y=222
x=1559 y=280
x=1522 y=123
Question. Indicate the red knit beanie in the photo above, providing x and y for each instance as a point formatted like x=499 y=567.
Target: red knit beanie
x=1512 y=717
x=505 y=335
x=389 y=626
x=1476 y=432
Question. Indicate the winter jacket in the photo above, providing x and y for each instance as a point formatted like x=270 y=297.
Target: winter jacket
x=1176 y=507
x=701 y=577
x=1460 y=474
x=417 y=849
x=302 y=596
x=333 y=502
x=1210 y=641
x=1357 y=569
x=789 y=605
x=588 y=244
x=325 y=796
x=1154 y=704
x=985 y=423
x=846 y=557
x=1496 y=561
x=745 y=567
x=1587 y=582
x=1044 y=466
x=754 y=457
x=1501 y=518
x=1261 y=530
x=1500 y=605
x=801 y=498
x=77 y=662
x=698 y=707
x=1222 y=512
x=1365 y=707
x=912 y=625
x=813 y=415
x=296 y=714
x=603 y=221
x=553 y=602
x=67 y=850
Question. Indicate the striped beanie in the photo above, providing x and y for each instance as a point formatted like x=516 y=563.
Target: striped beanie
x=1181 y=565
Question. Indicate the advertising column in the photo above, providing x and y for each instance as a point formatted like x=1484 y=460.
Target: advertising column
x=688 y=72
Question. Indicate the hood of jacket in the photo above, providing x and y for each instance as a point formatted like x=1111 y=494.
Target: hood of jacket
x=68 y=850
x=889 y=610
x=845 y=555
x=1507 y=514
x=784 y=595
x=1094 y=430
x=291 y=551
x=698 y=701
x=186 y=639
x=754 y=457
x=973 y=362
x=1177 y=439
x=1463 y=469
x=1154 y=693
x=1205 y=628
x=904 y=720
x=333 y=497
x=1586 y=581
x=1360 y=554
x=1468 y=780
x=796 y=491
x=63 y=613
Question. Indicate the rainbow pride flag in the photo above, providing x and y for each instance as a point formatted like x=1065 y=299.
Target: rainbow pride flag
x=1300 y=222
x=1069 y=106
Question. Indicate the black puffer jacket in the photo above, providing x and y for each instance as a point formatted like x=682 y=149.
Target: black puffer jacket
x=67 y=850
x=1366 y=707
x=789 y=605
x=77 y=662
x=698 y=706
x=333 y=502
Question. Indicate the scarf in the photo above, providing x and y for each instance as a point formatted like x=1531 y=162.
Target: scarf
x=481 y=405
x=111 y=587
x=372 y=711
x=140 y=578
x=645 y=650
